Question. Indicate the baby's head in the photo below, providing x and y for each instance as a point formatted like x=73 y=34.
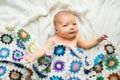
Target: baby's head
x=60 y=16
x=65 y=24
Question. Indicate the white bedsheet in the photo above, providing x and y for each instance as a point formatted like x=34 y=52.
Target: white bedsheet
x=94 y=17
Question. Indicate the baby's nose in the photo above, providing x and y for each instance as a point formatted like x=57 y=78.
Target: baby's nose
x=71 y=27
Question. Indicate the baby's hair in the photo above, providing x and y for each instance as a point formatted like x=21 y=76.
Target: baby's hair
x=58 y=14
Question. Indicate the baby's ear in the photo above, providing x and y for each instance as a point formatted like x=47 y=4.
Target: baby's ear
x=56 y=30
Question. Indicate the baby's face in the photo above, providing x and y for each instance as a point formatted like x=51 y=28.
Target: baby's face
x=66 y=26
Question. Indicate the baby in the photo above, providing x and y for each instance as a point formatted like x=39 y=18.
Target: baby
x=66 y=32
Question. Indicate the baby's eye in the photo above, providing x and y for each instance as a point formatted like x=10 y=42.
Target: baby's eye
x=74 y=23
x=65 y=25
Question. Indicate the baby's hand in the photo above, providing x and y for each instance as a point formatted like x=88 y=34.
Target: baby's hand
x=29 y=58
x=102 y=37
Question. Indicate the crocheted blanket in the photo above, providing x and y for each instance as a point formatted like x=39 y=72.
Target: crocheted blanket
x=14 y=42
x=65 y=62
x=61 y=62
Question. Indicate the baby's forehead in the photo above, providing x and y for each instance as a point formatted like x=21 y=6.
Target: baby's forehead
x=63 y=15
x=59 y=14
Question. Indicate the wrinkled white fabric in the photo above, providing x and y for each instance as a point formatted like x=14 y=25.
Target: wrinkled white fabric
x=94 y=17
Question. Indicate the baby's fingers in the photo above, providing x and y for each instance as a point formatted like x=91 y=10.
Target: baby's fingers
x=27 y=57
x=105 y=36
x=26 y=61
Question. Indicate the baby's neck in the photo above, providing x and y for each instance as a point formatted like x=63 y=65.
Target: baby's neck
x=72 y=41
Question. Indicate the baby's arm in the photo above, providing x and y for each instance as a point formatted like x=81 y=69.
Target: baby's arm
x=31 y=57
x=86 y=44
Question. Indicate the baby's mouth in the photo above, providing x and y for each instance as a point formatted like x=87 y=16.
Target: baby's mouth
x=71 y=32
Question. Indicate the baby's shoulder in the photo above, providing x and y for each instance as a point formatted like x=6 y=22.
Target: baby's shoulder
x=52 y=39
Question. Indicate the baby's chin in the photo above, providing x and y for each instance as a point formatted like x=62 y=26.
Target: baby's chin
x=71 y=37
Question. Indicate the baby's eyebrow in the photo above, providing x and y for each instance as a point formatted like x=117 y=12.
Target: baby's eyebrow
x=66 y=23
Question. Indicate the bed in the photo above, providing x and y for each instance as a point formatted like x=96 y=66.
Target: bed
x=35 y=18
